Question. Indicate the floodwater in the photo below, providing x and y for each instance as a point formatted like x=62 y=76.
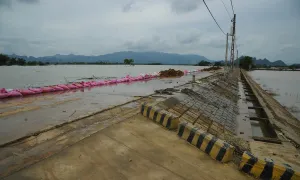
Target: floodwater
x=285 y=85
x=23 y=116
x=36 y=76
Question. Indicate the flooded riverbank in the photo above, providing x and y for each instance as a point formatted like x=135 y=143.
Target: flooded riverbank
x=22 y=116
x=37 y=76
x=283 y=85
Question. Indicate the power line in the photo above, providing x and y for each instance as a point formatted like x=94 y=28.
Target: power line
x=213 y=17
x=226 y=9
x=232 y=6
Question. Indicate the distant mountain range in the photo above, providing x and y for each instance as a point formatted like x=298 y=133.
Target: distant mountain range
x=269 y=63
x=138 y=57
x=118 y=57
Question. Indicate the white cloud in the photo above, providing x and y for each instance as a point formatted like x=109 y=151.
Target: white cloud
x=40 y=27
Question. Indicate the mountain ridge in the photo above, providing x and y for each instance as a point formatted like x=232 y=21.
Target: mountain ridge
x=139 y=58
x=266 y=62
x=118 y=57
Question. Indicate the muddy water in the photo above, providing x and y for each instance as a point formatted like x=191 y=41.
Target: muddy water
x=286 y=86
x=23 y=116
x=19 y=77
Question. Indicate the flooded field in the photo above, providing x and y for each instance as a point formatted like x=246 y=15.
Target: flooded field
x=284 y=87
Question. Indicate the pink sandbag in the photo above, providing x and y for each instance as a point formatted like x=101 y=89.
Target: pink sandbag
x=100 y=83
x=93 y=83
x=71 y=86
x=113 y=81
x=78 y=85
x=14 y=93
x=119 y=80
x=63 y=86
x=109 y=82
x=3 y=95
x=140 y=77
x=86 y=84
x=47 y=89
x=135 y=78
x=57 y=88
x=26 y=92
x=3 y=90
x=106 y=82
x=37 y=90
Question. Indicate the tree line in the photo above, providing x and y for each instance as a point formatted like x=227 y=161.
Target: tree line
x=206 y=63
x=128 y=61
x=9 y=61
x=247 y=63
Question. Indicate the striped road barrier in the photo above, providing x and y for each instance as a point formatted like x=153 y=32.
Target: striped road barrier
x=163 y=117
x=214 y=147
x=267 y=169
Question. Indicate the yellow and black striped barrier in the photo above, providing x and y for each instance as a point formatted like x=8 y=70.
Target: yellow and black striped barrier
x=216 y=148
x=163 y=117
x=266 y=169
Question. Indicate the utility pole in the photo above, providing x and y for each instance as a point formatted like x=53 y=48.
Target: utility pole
x=226 y=52
x=232 y=41
x=237 y=59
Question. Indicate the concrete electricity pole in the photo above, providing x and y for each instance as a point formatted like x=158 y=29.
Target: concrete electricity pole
x=232 y=41
x=237 y=57
x=226 y=52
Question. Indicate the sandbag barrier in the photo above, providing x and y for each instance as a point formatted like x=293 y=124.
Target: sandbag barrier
x=267 y=168
x=161 y=116
x=214 y=147
x=5 y=93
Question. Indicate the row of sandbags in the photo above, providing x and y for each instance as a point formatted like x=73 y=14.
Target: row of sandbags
x=5 y=93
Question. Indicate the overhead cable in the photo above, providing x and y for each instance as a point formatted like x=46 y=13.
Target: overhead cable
x=226 y=9
x=213 y=17
x=232 y=6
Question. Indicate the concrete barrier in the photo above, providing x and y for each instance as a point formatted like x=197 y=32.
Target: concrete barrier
x=266 y=169
x=163 y=117
x=216 y=148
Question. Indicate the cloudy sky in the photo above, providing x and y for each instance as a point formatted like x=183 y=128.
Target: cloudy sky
x=265 y=28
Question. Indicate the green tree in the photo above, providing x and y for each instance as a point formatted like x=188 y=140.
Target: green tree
x=203 y=63
x=128 y=61
x=4 y=59
x=246 y=62
x=292 y=67
x=218 y=64
x=32 y=63
x=12 y=61
x=21 y=62
x=40 y=63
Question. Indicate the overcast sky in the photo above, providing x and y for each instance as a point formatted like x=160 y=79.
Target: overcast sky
x=265 y=28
